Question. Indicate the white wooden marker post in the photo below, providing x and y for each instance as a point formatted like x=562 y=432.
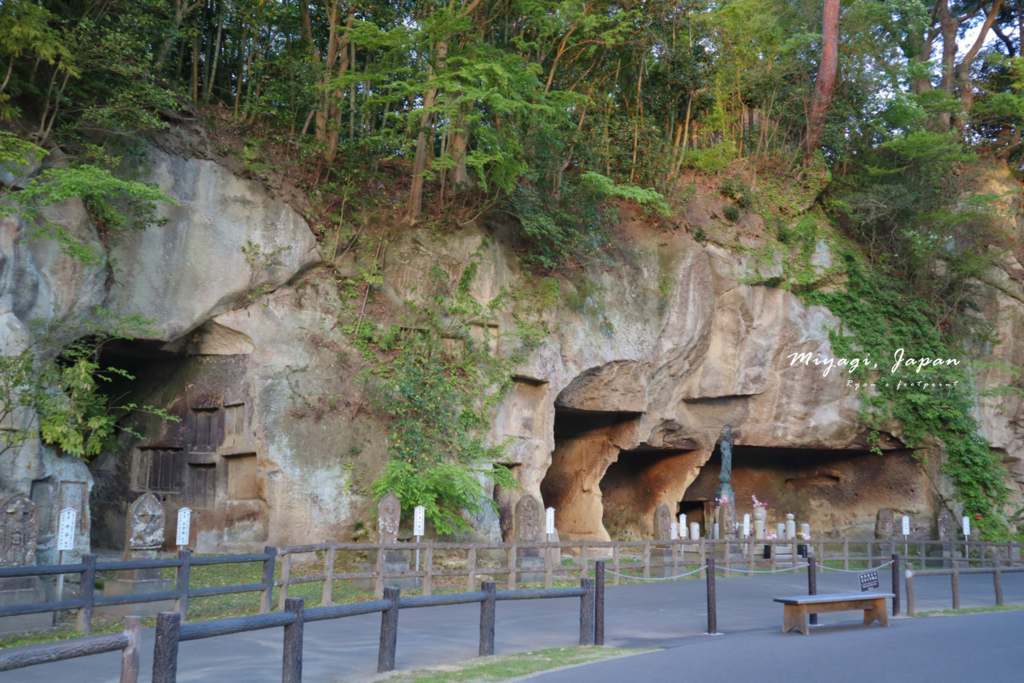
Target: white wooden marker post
x=184 y=524
x=906 y=533
x=549 y=522
x=682 y=527
x=674 y=530
x=967 y=527
x=418 y=523
x=65 y=541
x=746 y=525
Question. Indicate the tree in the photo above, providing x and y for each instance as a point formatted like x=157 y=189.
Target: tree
x=826 y=80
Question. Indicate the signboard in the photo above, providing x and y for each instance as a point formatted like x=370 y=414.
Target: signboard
x=674 y=529
x=66 y=530
x=549 y=521
x=419 y=520
x=967 y=526
x=868 y=580
x=746 y=524
x=906 y=525
x=184 y=522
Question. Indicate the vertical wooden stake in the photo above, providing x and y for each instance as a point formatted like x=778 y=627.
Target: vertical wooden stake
x=378 y=578
x=267 y=595
x=130 y=655
x=615 y=565
x=86 y=591
x=428 y=560
x=846 y=554
x=291 y=661
x=286 y=572
x=812 y=582
x=549 y=577
x=487 y=618
x=955 y=580
x=997 y=583
x=703 y=558
x=181 y=581
x=599 y=603
x=584 y=562
x=471 y=562
x=165 y=649
x=647 y=559
x=587 y=612
x=910 y=591
x=896 y=584
x=388 y=632
x=327 y=594
x=712 y=606
x=512 y=567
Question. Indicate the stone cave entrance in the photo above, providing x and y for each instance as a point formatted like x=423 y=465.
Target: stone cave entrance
x=837 y=492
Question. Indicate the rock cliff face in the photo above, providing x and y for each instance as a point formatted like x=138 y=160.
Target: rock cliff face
x=618 y=411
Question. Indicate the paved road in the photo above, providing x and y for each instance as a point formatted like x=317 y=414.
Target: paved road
x=657 y=615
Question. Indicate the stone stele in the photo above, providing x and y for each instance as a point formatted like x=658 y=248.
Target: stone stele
x=885 y=525
x=662 y=523
x=947 y=526
x=389 y=513
x=19 y=531
x=145 y=525
x=528 y=519
x=727 y=520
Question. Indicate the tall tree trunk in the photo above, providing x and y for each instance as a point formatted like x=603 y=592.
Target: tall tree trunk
x=211 y=75
x=826 y=80
x=419 y=164
x=964 y=68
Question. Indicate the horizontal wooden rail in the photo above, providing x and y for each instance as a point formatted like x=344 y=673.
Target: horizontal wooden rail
x=223 y=627
x=127 y=641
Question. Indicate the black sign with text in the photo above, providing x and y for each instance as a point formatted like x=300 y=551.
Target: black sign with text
x=868 y=580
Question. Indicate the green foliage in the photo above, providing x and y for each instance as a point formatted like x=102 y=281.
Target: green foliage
x=54 y=389
x=732 y=212
x=649 y=199
x=438 y=380
x=259 y=260
x=884 y=314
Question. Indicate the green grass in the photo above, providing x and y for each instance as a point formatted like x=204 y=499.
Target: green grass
x=493 y=669
x=969 y=610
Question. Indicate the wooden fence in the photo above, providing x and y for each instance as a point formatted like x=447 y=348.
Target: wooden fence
x=640 y=557
x=996 y=570
x=126 y=641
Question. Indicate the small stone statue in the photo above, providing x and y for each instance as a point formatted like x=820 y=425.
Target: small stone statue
x=389 y=514
x=727 y=520
x=19 y=531
x=145 y=524
x=947 y=527
x=885 y=525
x=662 y=523
x=724 y=490
x=528 y=519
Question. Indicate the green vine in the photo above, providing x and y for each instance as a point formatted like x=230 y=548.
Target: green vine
x=884 y=314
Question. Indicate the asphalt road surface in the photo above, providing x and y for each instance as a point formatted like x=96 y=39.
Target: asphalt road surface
x=671 y=616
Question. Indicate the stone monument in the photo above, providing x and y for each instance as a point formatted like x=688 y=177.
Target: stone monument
x=389 y=516
x=19 y=535
x=885 y=525
x=144 y=536
x=727 y=520
x=724 y=490
x=528 y=529
x=947 y=533
x=662 y=532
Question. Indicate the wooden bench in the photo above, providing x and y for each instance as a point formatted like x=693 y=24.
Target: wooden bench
x=796 y=609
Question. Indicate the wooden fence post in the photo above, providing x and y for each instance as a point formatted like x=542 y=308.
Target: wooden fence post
x=286 y=573
x=428 y=559
x=584 y=561
x=599 y=602
x=812 y=582
x=326 y=596
x=86 y=589
x=267 y=595
x=487 y=618
x=291 y=661
x=388 y=631
x=378 y=579
x=703 y=558
x=471 y=565
x=647 y=559
x=896 y=584
x=130 y=655
x=997 y=583
x=955 y=580
x=512 y=567
x=910 y=591
x=846 y=554
x=615 y=565
x=587 y=612
x=181 y=581
x=712 y=606
x=165 y=649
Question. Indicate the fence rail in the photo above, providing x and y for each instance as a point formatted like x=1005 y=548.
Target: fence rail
x=954 y=573
x=170 y=631
x=127 y=642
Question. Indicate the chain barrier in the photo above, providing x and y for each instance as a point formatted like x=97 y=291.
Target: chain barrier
x=854 y=571
x=762 y=571
x=653 y=578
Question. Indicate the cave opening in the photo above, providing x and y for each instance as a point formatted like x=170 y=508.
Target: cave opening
x=836 y=491
x=586 y=443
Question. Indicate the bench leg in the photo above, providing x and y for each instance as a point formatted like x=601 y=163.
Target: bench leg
x=881 y=613
x=794 y=617
x=869 y=616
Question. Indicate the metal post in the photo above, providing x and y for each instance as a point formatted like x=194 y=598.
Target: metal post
x=910 y=591
x=268 y=579
x=896 y=584
x=130 y=655
x=85 y=594
x=326 y=599
x=955 y=580
x=587 y=612
x=487 y=618
x=812 y=582
x=997 y=583
x=291 y=661
x=388 y=631
x=165 y=649
x=712 y=608
x=181 y=579
x=599 y=602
